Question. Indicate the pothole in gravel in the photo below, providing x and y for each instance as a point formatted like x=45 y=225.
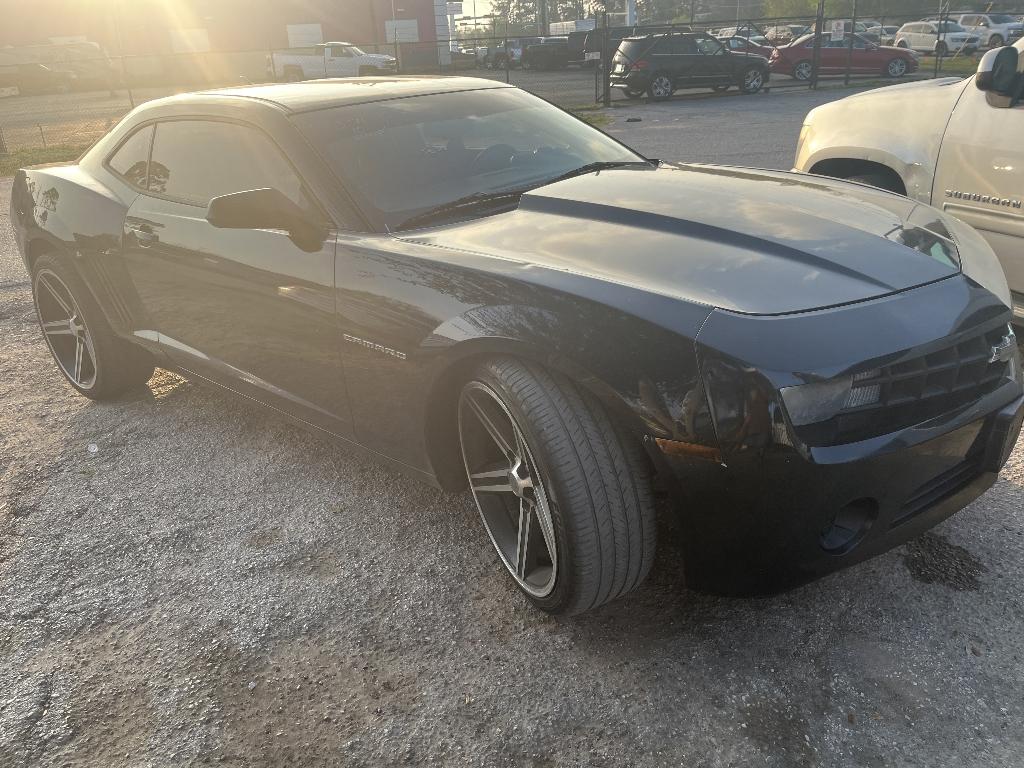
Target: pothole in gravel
x=931 y=559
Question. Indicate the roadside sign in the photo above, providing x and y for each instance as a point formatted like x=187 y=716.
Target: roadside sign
x=838 y=29
x=592 y=56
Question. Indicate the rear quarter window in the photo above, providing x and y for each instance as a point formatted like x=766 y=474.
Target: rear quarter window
x=130 y=161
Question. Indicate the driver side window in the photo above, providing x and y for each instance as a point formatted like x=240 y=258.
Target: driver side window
x=341 y=51
x=194 y=161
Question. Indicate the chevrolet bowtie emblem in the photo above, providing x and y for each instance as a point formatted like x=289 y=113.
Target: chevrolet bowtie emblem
x=1003 y=351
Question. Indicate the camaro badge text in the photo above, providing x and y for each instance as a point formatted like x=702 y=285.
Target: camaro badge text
x=978 y=198
x=375 y=347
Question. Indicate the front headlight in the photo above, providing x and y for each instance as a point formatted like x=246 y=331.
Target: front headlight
x=820 y=401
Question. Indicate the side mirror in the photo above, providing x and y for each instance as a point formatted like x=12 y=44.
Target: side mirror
x=997 y=72
x=266 y=209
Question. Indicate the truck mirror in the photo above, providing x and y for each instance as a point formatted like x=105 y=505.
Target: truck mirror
x=997 y=72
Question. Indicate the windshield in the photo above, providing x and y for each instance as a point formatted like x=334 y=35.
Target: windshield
x=404 y=157
x=356 y=51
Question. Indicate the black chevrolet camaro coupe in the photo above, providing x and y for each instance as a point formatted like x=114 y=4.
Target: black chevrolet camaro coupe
x=474 y=285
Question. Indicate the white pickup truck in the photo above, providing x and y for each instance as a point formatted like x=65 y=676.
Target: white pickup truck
x=329 y=60
x=956 y=144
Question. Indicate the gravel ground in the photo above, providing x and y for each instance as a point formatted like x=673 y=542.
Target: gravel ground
x=186 y=580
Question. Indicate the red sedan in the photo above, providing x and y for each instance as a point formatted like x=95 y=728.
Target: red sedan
x=867 y=57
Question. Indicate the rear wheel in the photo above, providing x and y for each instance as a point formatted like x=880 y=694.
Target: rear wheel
x=753 y=80
x=92 y=359
x=565 y=498
x=897 y=67
x=660 y=87
x=802 y=70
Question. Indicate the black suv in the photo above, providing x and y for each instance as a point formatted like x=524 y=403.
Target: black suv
x=549 y=53
x=659 y=64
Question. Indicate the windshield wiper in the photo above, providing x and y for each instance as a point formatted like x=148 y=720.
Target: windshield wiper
x=601 y=165
x=462 y=204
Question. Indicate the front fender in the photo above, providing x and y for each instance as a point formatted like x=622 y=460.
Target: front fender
x=900 y=127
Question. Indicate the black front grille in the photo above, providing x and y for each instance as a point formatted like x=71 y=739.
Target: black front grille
x=917 y=389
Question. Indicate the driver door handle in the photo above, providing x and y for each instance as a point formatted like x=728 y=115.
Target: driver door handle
x=144 y=234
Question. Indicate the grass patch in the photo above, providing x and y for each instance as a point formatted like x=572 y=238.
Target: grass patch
x=592 y=115
x=23 y=157
x=959 y=66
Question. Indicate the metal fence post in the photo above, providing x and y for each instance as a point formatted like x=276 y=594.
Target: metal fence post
x=606 y=65
x=819 y=31
x=508 y=59
x=849 y=46
x=3 y=143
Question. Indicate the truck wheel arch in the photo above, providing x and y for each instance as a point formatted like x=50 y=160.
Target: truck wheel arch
x=845 y=168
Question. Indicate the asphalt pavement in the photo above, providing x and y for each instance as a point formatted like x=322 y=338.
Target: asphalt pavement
x=187 y=580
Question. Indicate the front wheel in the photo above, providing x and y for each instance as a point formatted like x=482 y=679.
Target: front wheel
x=660 y=87
x=803 y=69
x=87 y=352
x=996 y=41
x=753 y=80
x=564 y=496
x=897 y=68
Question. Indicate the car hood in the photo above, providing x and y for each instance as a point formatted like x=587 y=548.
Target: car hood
x=751 y=241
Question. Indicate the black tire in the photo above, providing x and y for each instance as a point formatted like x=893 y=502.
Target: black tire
x=118 y=365
x=596 y=480
x=996 y=41
x=880 y=180
x=902 y=44
x=753 y=80
x=802 y=70
x=660 y=87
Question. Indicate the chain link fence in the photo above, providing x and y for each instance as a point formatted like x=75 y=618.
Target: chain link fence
x=69 y=104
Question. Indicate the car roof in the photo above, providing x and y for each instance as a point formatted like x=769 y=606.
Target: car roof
x=336 y=92
x=661 y=34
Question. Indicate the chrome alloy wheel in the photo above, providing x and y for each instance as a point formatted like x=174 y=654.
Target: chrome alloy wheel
x=753 y=80
x=897 y=68
x=508 y=489
x=661 y=88
x=65 y=330
x=803 y=70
